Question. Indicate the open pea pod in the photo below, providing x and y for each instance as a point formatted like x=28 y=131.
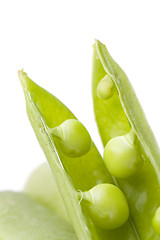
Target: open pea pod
x=131 y=153
x=75 y=176
x=24 y=219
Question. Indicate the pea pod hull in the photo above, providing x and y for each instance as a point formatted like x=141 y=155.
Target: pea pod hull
x=116 y=117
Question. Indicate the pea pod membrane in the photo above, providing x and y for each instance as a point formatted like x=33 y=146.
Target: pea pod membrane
x=133 y=162
x=76 y=174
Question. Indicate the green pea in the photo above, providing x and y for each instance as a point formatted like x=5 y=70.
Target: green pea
x=74 y=139
x=107 y=206
x=156 y=221
x=121 y=156
x=105 y=88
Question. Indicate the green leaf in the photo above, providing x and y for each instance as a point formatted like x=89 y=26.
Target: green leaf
x=22 y=218
x=116 y=116
x=72 y=174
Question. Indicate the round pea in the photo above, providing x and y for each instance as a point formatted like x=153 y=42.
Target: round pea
x=105 y=88
x=74 y=139
x=156 y=221
x=107 y=206
x=121 y=157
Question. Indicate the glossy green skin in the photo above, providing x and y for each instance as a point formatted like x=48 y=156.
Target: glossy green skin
x=107 y=206
x=21 y=218
x=121 y=157
x=156 y=221
x=141 y=189
x=45 y=112
x=73 y=137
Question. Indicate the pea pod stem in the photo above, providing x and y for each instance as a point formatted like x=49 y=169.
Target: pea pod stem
x=84 y=196
x=130 y=136
x=57 y=132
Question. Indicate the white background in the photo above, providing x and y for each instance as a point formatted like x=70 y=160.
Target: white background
x=52 y=41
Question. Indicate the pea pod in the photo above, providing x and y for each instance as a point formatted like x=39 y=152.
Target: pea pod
x=73 y=175
x=116 y=117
